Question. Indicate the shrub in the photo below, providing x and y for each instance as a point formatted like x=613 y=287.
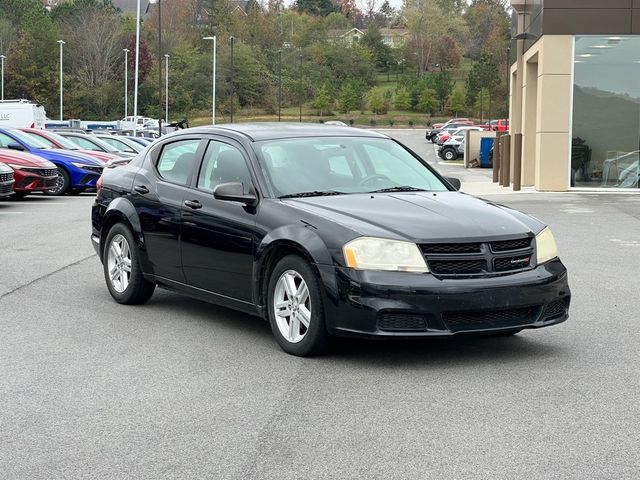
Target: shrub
x=372 y=122
x=411 y=123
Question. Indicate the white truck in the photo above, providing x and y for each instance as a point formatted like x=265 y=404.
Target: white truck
x=22 y=114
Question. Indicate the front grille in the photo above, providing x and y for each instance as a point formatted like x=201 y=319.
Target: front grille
x=479 y=258
x=6 y=177
x=43 y=172
x=6 y=188
x=444 y=248
x=401 y=322
x=457 y=267
x=556 y=309
x=487 y=318
x=49 y=182
x=508 y=245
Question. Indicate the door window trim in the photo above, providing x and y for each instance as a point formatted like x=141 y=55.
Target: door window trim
x=156 y=154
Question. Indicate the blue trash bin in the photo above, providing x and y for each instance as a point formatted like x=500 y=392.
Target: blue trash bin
x=485 y=147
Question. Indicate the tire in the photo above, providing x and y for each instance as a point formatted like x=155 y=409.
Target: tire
x=433 y=140
x=126 y=287
x=62 y=185
x=300 y=339
x=449 y=155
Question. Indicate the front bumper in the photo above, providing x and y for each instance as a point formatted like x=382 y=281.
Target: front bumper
x=31 y=181
x=389 y=304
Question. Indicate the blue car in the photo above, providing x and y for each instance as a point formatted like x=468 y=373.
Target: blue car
x=76 y=172
x=141 y=140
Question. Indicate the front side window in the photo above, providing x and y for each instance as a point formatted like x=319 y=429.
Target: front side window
x=177 y=159
x=342 y=165
x=85 y=144
x=223 y=163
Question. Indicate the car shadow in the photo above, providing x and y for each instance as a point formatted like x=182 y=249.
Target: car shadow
x=460 y=351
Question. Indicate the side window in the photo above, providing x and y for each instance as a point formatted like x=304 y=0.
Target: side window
x=5 y=140
x=86 y=144
x=223 y=163
x=176 y=160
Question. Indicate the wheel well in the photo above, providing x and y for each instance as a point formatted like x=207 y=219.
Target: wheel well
x=108 y=224
x=273 y=256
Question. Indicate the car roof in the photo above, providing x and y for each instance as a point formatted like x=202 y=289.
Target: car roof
x=256 y=132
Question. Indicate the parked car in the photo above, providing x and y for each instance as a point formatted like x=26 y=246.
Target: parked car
x=452 y=120
x=6 y=180
x=76 y=172
x=322 y=231
x=57 y=141
x=445 y=135
x=452 y=149
x=501 y=125
x=31 y=173
x=121 y=143
x=21 y=113
x=336 y=122
x=144 y=141
x=92 y=142
x=433 y=133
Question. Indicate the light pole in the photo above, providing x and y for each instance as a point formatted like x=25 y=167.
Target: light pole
x=135 y=83
x=213 y=80
x=166 y=88
x=126 y=81
x=232 y=39
x=300 y=91
x=2 y=57
x=159 y=2
x=61 y=43
x=279 y=83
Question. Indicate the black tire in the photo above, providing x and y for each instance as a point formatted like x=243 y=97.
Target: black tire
x=433 y=140
x=449 y=154
x=139 y=289
x=316 y=340
x=76 y=191
x=63 y=185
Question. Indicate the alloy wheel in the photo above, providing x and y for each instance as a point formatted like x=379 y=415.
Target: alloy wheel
x=119 y=263
x=292 y=306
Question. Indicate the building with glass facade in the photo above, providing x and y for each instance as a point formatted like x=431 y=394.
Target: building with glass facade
x=575 y=93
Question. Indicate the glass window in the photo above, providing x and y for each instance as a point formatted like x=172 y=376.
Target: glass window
x=344 y=165
x=85 y=144
x=223 y=163
x=606 y=112
x=30 y=141
x=5 y=140
x=176 y=160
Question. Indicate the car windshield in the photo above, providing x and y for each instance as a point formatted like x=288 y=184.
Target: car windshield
x=323 y=166
x=32 y=141
x=66 y=144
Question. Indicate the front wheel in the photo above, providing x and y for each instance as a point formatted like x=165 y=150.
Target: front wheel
x=63 y=183
x=295 y=308
x=122 y=271
x=449 y=155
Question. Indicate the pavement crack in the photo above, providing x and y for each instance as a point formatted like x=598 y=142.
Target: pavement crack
x=46 y=275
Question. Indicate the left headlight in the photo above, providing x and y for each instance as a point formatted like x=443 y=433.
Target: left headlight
x=546 y=247
x=367 y=253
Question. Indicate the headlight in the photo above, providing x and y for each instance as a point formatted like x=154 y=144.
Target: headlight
x=546 y=247
x=15 y=167
x=366 y=253
x=81 y=165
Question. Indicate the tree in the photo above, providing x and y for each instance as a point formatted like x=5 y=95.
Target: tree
x=428 y=101
x=443 y=85
x=322 y=102
x=457 y=105
x=489 y=28
x=351 y=96
x=315 y=7
x=375 y=99
x=403 y=99
x=372 y=39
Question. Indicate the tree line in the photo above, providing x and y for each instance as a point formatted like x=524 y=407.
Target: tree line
x=453 y=56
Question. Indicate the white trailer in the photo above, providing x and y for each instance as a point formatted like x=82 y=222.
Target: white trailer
x=22 y=114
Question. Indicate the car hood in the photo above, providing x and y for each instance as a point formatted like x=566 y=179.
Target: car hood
x=67 y=156
x=421 y=217
x=24 y=159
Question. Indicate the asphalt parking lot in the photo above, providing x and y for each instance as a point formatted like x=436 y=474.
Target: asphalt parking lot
x=181 y=389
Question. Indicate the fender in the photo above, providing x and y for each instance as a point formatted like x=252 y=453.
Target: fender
x=301 y=237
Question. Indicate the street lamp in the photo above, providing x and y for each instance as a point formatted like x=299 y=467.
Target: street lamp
x=61 y=43
x=126 y=81
x=300 y=91
x=279 y=83
x=2 y=57
x=213 y=80
x=232 y=39
x=166 y=87
x=159 y=63
x=135 y=84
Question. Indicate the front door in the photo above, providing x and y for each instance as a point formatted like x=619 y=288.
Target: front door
x=217 y=235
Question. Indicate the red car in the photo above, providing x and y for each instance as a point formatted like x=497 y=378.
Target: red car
x=31 y=173
x=58 y=141
x=501 y=125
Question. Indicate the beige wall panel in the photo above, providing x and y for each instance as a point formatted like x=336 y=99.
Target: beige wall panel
x=554 y=100
x=558 y=55
x=552 y=165
x=529 y=124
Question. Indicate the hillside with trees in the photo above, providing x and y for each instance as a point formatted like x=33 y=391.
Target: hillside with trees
x=378 y=64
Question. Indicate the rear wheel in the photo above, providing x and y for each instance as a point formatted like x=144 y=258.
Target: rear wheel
x=63 y=183
x=295 y=308
x=122 y=271
x=449 y=154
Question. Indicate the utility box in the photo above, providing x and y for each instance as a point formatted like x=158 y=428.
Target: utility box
x=486 y=144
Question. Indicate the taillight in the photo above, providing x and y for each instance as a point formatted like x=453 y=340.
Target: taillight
x=99 y=185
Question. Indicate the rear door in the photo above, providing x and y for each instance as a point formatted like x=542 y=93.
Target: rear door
x=217 y=236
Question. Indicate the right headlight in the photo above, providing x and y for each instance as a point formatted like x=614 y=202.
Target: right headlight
x=546 y=248
x=368 y=253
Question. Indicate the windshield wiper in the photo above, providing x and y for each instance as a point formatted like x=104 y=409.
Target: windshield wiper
x=405 y=188
x=315 y=193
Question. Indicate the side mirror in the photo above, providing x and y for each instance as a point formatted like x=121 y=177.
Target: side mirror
x=454 y=182
x=15 y=146
x=234 y=192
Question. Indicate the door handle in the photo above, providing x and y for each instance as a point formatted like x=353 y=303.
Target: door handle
x=194 y=204
x=141 y=189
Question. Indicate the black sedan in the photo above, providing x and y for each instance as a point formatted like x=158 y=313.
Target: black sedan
x=323 y=231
